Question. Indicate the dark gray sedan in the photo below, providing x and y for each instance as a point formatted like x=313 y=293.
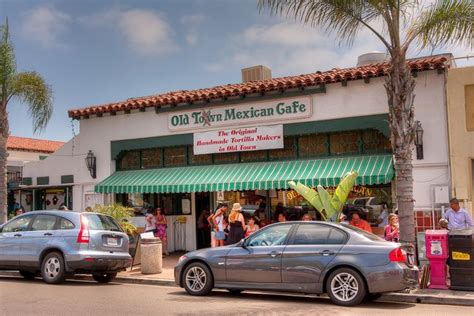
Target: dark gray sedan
x=348 y=264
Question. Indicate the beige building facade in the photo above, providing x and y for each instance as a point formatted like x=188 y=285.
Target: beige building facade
x=460 y=101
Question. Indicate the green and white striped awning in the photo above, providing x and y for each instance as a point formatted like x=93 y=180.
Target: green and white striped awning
x=250 y=176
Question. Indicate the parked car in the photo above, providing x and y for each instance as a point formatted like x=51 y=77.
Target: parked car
x=58 y=243
x=348 y=264
x=371 y=207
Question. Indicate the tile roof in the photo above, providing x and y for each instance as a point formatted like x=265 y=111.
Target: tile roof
x=263 y=86
x=33 y=145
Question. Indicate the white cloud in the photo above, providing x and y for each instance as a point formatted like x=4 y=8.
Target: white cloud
x=146 y=31
x=191 y=39
x=290 y=49
x=193 y=19
x=45 y=25
x=192 y=23
x=281 y=34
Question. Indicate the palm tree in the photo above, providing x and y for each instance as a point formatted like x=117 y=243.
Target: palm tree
x=26 y=87
x=405 y=23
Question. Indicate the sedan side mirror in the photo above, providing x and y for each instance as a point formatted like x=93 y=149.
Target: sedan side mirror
x=242 y=244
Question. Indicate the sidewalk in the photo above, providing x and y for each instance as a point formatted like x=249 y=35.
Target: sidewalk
x=166 y=278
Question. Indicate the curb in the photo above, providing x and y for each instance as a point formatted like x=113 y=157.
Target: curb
x=417 y=298
x=413 y=298
x=118 y=279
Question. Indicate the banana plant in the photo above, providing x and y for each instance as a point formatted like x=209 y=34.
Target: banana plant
x=329 y=206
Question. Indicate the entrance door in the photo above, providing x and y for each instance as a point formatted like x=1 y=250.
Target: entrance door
x=203 y=232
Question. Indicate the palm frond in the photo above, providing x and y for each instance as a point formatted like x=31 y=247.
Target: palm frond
x=446 y=22
x=31 y=89
x=343 y=17
x=7 y=62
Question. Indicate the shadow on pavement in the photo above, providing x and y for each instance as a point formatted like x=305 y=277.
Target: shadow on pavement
x=291 y=298
x=68 y=282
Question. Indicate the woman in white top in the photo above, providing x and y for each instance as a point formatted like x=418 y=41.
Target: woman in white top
x=219 y=227
x=150 y=225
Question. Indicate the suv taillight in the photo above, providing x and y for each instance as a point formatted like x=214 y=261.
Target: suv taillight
x=397 y=255
x=83 y=236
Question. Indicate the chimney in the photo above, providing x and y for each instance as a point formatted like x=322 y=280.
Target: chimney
x=255 y=73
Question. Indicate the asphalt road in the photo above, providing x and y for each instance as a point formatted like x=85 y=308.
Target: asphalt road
x=21 y=297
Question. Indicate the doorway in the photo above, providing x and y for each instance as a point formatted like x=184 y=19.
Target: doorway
x=203 y=231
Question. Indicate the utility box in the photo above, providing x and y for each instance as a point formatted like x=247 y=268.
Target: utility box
x=437 y=253
x=461 y=249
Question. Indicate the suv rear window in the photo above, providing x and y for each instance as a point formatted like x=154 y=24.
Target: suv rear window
x=102 y=222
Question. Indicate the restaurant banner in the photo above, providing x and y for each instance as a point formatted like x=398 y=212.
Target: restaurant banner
x=241 y=115
x=239 y=139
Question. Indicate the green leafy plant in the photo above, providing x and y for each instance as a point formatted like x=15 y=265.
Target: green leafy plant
x=120 y=213
x=329 y=206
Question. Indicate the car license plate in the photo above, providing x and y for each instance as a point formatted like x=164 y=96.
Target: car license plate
x=112 y=241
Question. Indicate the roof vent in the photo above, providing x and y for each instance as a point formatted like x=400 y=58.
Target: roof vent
x=371 y=58
x=256 y=73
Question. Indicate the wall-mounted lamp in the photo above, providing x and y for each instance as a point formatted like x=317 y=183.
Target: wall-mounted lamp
x=91 y=163
x=419 y=140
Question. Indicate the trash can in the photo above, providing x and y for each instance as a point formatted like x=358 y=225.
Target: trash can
x=151 y=256
x=437 y=253
x=461 y=250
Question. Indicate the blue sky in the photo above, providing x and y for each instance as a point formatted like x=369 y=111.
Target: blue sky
x=94 y=52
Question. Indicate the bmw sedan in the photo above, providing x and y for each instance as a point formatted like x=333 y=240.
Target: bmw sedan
x=348 y=264
x=57 y=243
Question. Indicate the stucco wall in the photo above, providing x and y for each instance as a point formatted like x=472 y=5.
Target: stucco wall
x=18 y=158
x=461 y=140
x=356 y=99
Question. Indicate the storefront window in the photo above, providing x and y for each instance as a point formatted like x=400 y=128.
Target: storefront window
x=198 y=159
x=249 y=156
x=172 y=203
x=344 y=143
x=289 y=152
x=130 y=160
x=374 y=141
x=175 y=156
x=226 y=158
x=313 y=145
x=151 y=158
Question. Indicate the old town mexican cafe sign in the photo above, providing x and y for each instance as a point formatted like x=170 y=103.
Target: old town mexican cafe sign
x=241 y=115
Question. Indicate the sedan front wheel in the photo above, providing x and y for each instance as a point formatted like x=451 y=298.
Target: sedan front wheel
x=346 y=287
x=198 y=279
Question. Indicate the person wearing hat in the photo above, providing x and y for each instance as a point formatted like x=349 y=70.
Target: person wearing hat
x=237 y=225
x=359 y=222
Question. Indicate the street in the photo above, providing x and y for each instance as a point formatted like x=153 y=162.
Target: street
x=21 y=297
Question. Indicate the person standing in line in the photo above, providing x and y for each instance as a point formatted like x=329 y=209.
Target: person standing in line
x=457 y=217
x=161 y=226
x=383 y=219
x=281 y=217
x=360 y=223
x=237 y=225
x=219 y=227
x=392 y=230
x=150 y=224
x=306 y=218
x=252 y=227
x=204 y=228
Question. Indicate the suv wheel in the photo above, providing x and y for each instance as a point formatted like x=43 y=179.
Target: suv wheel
x=104 y=277
x=52 y=268
x=28 y=274
x=198 y=279
x=345 y=287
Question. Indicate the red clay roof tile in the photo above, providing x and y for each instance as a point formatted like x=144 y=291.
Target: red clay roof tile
x=33 y=145
x=263 y=86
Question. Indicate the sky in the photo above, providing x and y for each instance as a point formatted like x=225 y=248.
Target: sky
x=96 y=51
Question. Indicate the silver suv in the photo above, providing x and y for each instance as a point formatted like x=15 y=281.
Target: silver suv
x=57 y=243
